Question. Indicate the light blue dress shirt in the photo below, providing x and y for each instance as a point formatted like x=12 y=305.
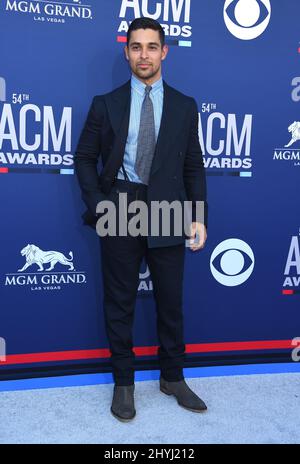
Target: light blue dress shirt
x=137 y=98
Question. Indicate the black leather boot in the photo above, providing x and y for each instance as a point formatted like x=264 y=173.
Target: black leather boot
x=123 y=402
x=184 y=395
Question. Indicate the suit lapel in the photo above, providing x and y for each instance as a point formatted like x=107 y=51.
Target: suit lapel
x=118 y=105
x=167 y=130
x=119 y=109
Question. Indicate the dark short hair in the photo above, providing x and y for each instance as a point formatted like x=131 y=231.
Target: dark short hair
x=146 y=23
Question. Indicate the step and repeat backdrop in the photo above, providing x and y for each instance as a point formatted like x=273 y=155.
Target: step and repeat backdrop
x=240 y=60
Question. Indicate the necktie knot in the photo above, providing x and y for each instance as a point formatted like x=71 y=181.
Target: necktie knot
x=148 y=88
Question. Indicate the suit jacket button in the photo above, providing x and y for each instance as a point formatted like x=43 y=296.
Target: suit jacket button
x=175 y=177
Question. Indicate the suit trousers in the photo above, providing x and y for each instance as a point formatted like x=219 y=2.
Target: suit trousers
x=121 y=258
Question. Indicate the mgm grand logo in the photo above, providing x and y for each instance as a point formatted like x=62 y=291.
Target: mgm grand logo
x=56 y=11
x=42 y=277
x=290 y=154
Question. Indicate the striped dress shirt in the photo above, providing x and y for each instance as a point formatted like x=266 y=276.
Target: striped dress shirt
x=137 y=97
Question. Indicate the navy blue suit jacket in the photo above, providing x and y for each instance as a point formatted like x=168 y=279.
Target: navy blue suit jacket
x=177 y=171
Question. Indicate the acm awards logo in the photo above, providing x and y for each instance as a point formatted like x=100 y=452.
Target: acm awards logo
x=291 y=283
x=57 y=11
x=176 y=13
x=226 y=141
x=35 y=275
x=46 y=143
x=247 y=19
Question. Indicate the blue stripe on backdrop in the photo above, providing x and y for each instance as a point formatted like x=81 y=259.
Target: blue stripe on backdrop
x=96 y=379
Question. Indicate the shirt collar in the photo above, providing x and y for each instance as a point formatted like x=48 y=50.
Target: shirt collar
x=139 y=86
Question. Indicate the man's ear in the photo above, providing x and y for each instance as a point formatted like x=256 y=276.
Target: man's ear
x=125 y=50
x=165 y=51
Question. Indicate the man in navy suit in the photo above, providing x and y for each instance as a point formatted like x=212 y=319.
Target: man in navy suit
x=147 y=134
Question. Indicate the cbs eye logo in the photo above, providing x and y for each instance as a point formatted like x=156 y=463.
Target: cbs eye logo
x=247 y=19
x=232 y=262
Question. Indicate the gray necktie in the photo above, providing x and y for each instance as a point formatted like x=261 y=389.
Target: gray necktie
x=146 y=139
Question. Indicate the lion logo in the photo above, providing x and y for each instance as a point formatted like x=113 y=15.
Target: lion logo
x=295 y=130
x=34 y=255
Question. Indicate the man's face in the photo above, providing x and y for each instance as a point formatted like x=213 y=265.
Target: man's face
x=145 y=49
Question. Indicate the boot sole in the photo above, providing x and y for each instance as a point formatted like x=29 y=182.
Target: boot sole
x=122 y=419
x=185 y=407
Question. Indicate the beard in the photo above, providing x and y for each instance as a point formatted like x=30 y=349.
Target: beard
x=147 y=73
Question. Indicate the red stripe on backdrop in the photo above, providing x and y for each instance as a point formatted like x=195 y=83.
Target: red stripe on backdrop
x=29 y=358
x=121 y=38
